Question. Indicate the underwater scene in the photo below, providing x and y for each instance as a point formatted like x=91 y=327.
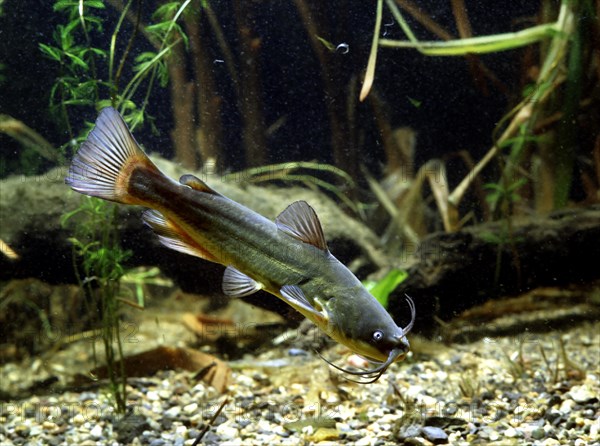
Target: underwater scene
x=307 y=222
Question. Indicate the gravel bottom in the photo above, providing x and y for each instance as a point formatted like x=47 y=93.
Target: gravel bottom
x=504 y=391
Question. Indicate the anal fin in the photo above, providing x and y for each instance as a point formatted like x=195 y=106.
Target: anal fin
x=170 y=235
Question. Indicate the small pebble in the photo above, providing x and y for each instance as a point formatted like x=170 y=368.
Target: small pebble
x=191 y=409
x=297 y=352
x=173 y=412
x=96 y=431
x=582 y=395
x=435 y=435
x=511 y=432
x=364 y=441
x=227 y=432
x=152 y=396
x=538 y=433
x=78 y=419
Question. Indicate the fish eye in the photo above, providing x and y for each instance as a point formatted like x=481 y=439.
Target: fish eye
x=377 y=335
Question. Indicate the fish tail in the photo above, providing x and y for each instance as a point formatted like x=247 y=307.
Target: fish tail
x=103 y=166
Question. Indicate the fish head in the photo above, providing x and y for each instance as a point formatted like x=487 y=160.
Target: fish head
x=377 y=337
x=369 y=331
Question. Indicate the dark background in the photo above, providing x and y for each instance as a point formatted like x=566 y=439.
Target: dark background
x=453 y=113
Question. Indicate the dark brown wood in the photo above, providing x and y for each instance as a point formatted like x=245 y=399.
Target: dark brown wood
x=208 y=102
x=457 y=271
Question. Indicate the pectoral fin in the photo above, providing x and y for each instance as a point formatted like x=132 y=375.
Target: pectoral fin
x=238 y=284
x=301 y=222
x=295 y=297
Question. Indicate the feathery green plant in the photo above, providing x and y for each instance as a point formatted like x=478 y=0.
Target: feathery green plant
x=95 y=236
x=95 y=241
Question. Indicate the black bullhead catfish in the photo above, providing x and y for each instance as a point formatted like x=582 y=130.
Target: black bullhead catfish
x=288 y=258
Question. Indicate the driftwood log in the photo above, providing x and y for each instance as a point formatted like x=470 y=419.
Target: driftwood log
x=456 y=271
x=448 y=274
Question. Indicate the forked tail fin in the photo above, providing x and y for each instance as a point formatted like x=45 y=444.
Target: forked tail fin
x=103 y=165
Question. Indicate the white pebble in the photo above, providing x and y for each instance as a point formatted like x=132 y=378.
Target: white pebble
x=152 y=396
x=595 y=429
x=173 y=412
x=96 y=431
x=364 y=441
x=567 y=406
x=511 y=432
x=581 y=394
x=190 y=408
x=78 y=419
x=441 y=375
x=227 y=432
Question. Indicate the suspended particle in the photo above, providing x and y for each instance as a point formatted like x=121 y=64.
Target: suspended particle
x=343 y=48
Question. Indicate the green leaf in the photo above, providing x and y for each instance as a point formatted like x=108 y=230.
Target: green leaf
x=78 y=102
x=326 y=43
x=65 y=4
x=146 y=56
x=166 y=11
x=50 y=51
x=98 y=51
x=61 y=5
x=415 y=102
x=159 y=29
x=77 y=60
x=383 y=288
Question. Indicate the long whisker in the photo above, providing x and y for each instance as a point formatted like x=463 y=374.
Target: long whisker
x=413 y=315
x=367 y=374
x=371 y=375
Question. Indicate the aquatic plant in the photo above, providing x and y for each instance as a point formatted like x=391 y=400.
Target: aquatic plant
x=80 y=60
x=564 y=58
x=95 y=236
x=570 y=369
x=304 y=172
x=381 y=289
x=469 y=384
x=95 y=242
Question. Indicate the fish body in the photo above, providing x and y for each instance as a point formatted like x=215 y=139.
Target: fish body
x=288 y=258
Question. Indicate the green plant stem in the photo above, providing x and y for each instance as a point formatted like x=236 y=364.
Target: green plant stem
x=114 y=81
x=370 y=73
x=89 y=46
x=565 y=150
x=477 y=45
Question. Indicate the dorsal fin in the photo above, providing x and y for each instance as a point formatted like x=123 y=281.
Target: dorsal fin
x=301 y=222
x=197 y=184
